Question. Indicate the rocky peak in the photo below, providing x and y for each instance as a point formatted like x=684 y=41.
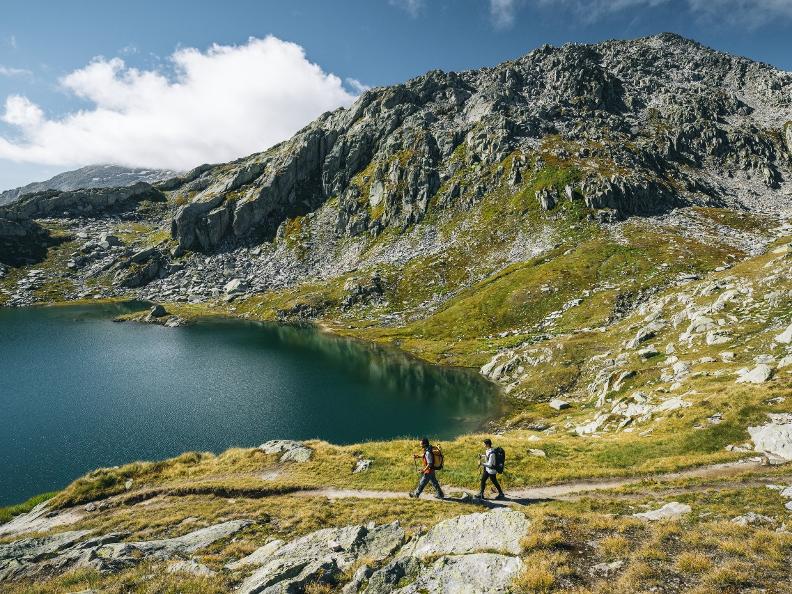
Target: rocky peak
x=635 y=114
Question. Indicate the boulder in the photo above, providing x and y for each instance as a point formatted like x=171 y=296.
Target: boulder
x=758 y=375
x=670 y=511
x=498 y=530
x=292 y=451
x=158 y=311
x=785 y=337
x=647 y=332
x=558 y=404
x=751 y=519
x=235 y=286
x=107 y=240
x=547 y=198
x=773 y=438
x=323 y=554
x=648 y=352
x=362 y=465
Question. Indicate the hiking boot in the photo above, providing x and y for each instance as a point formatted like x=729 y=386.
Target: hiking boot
x=413 y=495
x=500 y=497
x=439 y=496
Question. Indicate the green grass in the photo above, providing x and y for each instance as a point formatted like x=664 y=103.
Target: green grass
x=8 y=512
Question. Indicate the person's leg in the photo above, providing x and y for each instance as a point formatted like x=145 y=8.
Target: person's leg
x=484 y=476
x=421 y=484
x=494 y=479
x=435 y=483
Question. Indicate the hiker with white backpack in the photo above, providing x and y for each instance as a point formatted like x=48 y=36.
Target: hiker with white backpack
x=431 y=460
x=492 y=462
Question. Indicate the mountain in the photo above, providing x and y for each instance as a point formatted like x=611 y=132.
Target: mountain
x=92 y=176
x=604 y=231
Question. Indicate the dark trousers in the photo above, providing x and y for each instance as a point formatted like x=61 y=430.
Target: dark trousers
x=486 y=476
x=428 y=478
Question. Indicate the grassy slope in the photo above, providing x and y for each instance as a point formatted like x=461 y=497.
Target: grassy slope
x=504 y=306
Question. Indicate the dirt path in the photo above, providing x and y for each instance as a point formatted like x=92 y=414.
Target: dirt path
x=570 y=490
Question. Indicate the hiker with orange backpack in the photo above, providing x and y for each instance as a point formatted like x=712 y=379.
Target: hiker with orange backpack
x=431 y=460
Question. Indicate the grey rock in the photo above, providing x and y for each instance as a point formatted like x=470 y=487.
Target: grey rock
x=84 y=202
x=49 y=555
x=774 y=438
x=292 y=451
x=758 y=375
x=498 y=530
x=92 y=176
x=362 y=465
x=547 y=198
x=321 y=554
x=558 y=404
x=158 y=311
x=385 y=580
x=785 y=337
x=606 y=569
x=670 y=511
x=467 y=574
x=751 y=519
x=234 y=286
x=189 y=567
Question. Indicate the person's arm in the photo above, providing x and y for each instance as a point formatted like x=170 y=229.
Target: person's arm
x=428 y=460
x=490 y=464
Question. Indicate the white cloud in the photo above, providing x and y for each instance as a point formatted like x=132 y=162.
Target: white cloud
x=502 y=13
x=357 y=86
x=8 y=71
x=413 y=7
x=19 y=111
x=223 y=103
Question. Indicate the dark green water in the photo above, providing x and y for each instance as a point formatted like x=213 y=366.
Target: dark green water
x=78 y=391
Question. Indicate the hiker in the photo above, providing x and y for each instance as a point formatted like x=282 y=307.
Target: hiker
x=429 y=465
x=491 y=465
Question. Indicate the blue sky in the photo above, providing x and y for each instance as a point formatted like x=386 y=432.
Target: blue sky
x=73 y=100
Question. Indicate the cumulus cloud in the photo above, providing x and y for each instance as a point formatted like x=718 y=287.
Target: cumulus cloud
x=216 y=105
x=502 y=13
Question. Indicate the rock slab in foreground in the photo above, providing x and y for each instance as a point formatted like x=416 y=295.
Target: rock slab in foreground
x=316 y=556
x=499 y=530
x=34 y=557
x=466 y=574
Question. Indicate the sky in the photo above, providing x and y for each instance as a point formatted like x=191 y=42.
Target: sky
x=178 y=83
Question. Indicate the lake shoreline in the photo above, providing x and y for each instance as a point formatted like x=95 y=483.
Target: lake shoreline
x=384 y=419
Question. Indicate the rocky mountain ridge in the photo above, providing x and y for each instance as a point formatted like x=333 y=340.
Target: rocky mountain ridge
x=92 y=176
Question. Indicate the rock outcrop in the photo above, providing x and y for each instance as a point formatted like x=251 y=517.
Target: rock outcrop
x=85 y=203
x=33 y=557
